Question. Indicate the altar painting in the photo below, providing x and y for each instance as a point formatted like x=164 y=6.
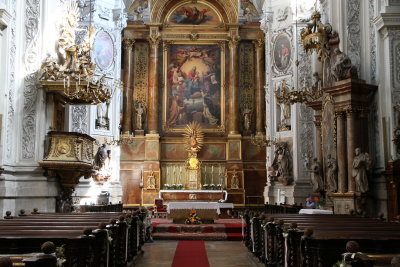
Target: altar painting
x=194 y=14
x=193 y=88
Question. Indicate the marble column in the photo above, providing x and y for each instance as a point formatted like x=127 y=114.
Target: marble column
x=260 y=81
x=233 y=118
x=129 y=59
x=350 y=115
x=154 y=41
x=341 y=152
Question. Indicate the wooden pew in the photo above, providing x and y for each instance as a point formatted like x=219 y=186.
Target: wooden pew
x=314 y=240
x=23 y=234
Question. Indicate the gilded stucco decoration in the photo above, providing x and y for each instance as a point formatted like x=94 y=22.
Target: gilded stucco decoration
x=141 y=72
x=246 y=82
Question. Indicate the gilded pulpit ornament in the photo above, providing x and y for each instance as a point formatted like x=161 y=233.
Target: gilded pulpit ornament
x=194 y=141
x=72 y=74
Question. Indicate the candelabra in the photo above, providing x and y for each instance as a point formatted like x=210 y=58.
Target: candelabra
x=260 y=141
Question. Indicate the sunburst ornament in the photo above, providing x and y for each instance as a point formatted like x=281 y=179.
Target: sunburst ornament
x=194 y=137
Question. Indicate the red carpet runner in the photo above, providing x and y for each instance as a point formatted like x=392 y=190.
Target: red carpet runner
x=190 y=253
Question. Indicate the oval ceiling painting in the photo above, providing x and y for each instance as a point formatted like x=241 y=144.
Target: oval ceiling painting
x=104 y=50
x=194 y=14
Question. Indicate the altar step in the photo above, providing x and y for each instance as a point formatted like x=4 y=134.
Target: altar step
x=230 y=230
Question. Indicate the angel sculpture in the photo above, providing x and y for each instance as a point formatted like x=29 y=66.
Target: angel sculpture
x=361 y=164
x=194 y=137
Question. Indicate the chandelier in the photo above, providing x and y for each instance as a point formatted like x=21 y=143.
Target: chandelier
x=126 y=139
x=315 y=37
x=260 y=141
x=72 y=75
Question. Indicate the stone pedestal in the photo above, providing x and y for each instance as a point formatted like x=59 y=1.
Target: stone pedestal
x=344 y=203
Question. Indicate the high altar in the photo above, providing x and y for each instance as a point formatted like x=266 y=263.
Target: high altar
x=206 y=69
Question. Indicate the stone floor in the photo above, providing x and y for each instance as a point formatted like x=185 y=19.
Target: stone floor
x=220 y=254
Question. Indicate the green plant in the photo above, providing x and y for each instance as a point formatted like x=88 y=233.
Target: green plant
x=60 y=252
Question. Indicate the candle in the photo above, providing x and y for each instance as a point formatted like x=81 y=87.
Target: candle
x=64 y=82
x=212 y=174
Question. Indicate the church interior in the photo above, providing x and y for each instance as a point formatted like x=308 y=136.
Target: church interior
x=200 y=133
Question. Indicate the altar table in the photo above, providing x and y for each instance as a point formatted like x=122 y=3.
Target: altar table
x=193 y=195
x=206 y=211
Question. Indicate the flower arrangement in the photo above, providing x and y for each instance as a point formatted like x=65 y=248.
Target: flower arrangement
x=173 y=186
x=193 y=219
x=319 y=201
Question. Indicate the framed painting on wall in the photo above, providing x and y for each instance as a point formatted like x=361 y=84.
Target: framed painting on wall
x=194 y=75
x=282 y=52
x=104 y=50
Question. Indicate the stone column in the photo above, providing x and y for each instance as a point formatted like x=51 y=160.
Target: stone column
x=154 y=41
x=129 y=59
x=260 y=82
x=341 y=152
x=350 y=115
x=233 y=85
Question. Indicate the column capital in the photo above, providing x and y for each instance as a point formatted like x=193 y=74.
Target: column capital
x=340 y=114
x=233 y=41
x=128 y=43
x=259 y=43
x=154 y=40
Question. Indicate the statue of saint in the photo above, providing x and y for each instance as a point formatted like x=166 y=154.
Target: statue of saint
x=235 y=180
x=100 y=157
x=247 y=118
x=316 y=178
x=361 y=163
x=151 y=181
x=331 y=175
x=282 y=165
x=139 y=116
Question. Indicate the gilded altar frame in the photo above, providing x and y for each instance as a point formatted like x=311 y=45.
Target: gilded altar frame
x=166 y=56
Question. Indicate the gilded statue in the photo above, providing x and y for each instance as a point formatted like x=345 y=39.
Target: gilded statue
x=194 y=137
x=361 y=164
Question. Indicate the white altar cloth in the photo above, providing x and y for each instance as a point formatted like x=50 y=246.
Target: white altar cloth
x=315 y=211
x=198 y=206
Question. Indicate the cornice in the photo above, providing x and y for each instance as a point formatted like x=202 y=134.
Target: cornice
x=387 y=20
x=5 y=19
